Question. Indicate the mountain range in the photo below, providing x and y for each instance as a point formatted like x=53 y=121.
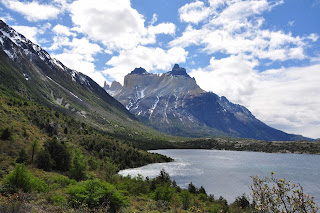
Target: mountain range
x=173 y=103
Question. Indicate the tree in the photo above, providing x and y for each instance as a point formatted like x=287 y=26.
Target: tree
x=278 y=195
x=242 y=202
x=23 y=157
x=78 y=166
x=59 y=152
x=6 y=134
x=202 y=191
x=44 y=160
x=20 y=178
x=185 y=197
x=110 y=168
x=192 y=189
x=34 y=149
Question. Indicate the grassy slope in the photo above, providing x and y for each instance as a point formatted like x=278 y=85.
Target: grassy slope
x=28 y=122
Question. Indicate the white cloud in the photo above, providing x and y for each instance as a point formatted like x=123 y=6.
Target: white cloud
x=78 y=54
x=290 y=23
x=78 y=46
x=163 y=28
x=80 y=63
x=149 y=58
x=288 y=98
x=194 y=12
x=154 y=19
x=7 y=17
x=29 y=32
x=197 y=12
x=236 y=28
x=62 y=30
x=233 y=77
x=114 y=23
x=33 y=11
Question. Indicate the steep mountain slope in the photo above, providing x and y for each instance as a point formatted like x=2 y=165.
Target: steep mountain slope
x=174 y=103
x=30 y=71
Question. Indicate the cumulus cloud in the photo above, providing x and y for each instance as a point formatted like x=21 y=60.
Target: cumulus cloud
x=147 y=57
x=62 y=30
x=80 y=63
x=233 y=77
x=287 y=98
x=7 y=17
x=235 y=27
x=79 y=55
x=34 y=11
x=194 y=12
x=114 y=23
x=154 y=19
x=32 y=33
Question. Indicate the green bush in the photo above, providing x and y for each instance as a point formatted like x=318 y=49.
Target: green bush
x=78 y=166
x=6 y=134
x=96 y=193
x=57 y=199
x=59 y=152
x=185 y=198
x=44 y=161
x=22 y=179
x=164 y=193
x=23 y=157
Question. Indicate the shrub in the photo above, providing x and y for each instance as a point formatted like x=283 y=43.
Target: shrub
x=185 y=197
x=57 y=199
x=22 y=179
x=6 y=134
x=278 y=195
x=44 y=161
x=78 y=167
x=59 y=152
x=192 y=189
x=23 y=157
x=96 y=193
x=164 y=193
x=242 y=202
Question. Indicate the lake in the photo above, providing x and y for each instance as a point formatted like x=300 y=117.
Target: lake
x=227 y=173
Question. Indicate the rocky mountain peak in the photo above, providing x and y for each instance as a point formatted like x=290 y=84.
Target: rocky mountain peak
x=177 y=70
x=114 y=88
x=139 y=71
x=106 y=86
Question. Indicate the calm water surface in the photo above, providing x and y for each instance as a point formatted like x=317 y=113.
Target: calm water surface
x=227 y=173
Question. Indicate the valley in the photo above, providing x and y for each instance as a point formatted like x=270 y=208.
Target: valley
x=63 y=138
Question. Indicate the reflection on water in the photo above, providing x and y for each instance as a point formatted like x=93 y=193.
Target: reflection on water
x=227 y=173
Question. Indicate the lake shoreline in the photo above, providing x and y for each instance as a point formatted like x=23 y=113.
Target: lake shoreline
x=283 y=147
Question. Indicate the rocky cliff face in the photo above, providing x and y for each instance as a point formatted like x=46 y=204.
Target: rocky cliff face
x=173 y=103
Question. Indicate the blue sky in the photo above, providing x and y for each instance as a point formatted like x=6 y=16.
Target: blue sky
x=262 y=54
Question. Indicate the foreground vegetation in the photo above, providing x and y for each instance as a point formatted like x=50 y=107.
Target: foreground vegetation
x=39 y=191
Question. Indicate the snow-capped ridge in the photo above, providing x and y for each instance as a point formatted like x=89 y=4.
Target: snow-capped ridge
x=30 y=49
